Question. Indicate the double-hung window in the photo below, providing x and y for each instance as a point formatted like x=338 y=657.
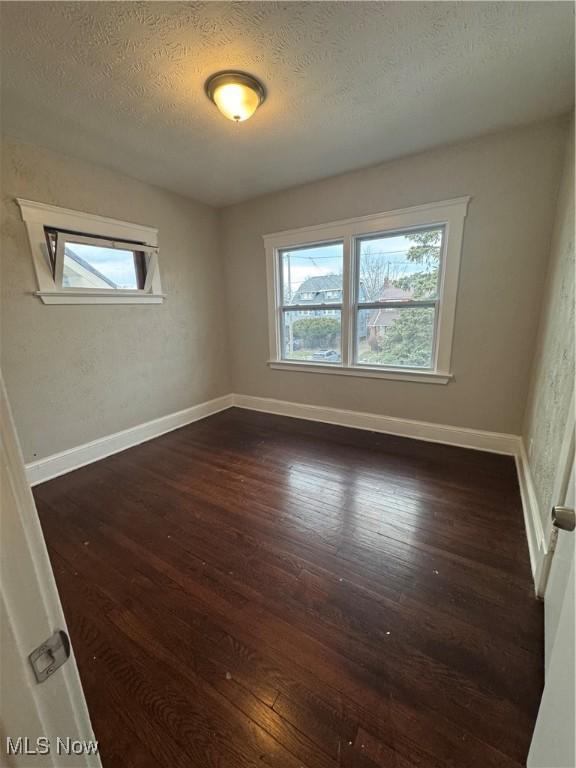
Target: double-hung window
x=373 y=296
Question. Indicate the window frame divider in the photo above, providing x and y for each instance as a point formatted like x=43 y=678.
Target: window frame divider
x=301 y=307
x=346 y=331
x=416 y=304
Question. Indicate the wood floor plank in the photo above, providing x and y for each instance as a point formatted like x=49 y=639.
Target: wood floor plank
x=257 y=590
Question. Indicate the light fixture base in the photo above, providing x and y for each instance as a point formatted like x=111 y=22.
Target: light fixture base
x=224 y=78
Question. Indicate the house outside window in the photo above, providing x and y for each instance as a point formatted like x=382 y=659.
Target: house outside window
x=372 y=296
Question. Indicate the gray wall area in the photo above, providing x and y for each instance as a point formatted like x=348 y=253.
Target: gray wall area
x=77 y=373
x=552 y=383
x=513 y=179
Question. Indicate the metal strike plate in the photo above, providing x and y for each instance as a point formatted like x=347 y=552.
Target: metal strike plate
x=563 y=518
x=50 y=656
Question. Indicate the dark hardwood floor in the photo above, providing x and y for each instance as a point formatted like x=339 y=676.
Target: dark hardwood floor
x=254 y=590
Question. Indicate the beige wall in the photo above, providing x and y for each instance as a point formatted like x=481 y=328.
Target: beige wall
x=552 y=381
x=513 y=178
x=76 y=373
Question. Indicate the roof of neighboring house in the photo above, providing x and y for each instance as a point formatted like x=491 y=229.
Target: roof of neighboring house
x=87 y=271
x=317 y=285
x=391 y=293
x=382 y=317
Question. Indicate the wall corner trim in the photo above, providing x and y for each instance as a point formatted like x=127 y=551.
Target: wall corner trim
x=537 y=541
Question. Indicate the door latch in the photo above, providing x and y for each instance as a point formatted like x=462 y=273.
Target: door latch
x=564 y=518
x=50 y=656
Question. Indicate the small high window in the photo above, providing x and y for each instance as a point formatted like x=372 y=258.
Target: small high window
x=87 y=261
x=82 y=258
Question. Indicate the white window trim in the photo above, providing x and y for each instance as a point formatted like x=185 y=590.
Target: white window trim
x=447 y=213
x=36 y=216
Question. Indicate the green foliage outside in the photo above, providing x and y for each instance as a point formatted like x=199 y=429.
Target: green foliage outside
x=425 y=250
x=316 y=332
x=422 y=284
x=408 y=341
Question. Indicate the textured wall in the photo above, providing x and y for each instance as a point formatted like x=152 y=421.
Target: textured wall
x=552 y=382
x=76 y=373
x=513 y=179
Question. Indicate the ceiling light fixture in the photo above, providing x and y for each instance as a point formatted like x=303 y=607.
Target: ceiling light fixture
x=236 y=94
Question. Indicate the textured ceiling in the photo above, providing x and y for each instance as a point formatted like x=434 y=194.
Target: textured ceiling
x=349 y=83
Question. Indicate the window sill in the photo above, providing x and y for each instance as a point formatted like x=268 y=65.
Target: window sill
x=85 y=297
x=424 y=377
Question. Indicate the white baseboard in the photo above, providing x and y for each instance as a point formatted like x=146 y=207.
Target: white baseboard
x=494 y=442
x=66 y=461
x=537 y=540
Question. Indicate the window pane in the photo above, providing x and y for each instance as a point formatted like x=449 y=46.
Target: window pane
x=312 y=335
x=312 y=275
x=91 y=266
x=401 y=337
x=400 y=267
